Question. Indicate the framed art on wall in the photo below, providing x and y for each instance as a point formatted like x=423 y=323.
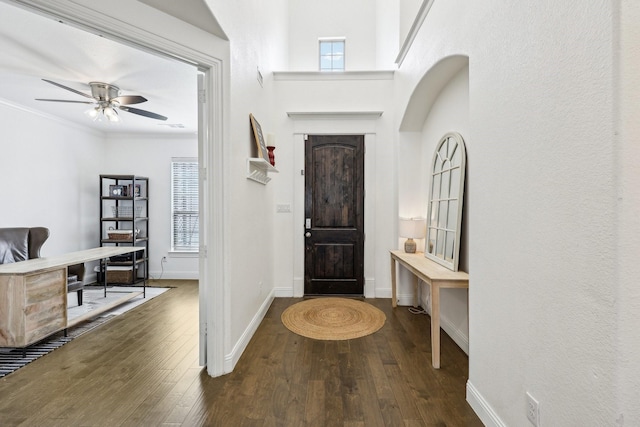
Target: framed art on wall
x=259 y=138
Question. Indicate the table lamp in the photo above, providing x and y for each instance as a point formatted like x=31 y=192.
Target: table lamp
x=412 y=228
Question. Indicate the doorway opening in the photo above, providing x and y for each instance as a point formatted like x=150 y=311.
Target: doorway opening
x=206 y=58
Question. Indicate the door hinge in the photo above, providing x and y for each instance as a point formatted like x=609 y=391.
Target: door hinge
x=202 y=96
x=302 y=172
x=306 y=137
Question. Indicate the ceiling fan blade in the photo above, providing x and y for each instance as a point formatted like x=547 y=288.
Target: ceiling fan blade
x=142 y=112
x=130 y=99
x=64 y=100
x=68 y=88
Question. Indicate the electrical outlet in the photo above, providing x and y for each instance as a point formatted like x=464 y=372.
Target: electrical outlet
x=533 y=410
x=164 y=259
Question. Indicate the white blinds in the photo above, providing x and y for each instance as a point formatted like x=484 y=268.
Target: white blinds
x=184 y=205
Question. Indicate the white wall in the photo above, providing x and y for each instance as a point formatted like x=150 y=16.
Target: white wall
x=258 y=39
x=53 y=168
x=336 y=96
x=448 y=113
x=47 y=168
x=150 y=156
x=388 y=37
x=371 y=43
x=353 y=19
x=542 y=251
x=628 y=230
x=553 y=294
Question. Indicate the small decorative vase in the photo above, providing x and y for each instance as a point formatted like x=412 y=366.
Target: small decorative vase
x=272 y=158
x=410 y=246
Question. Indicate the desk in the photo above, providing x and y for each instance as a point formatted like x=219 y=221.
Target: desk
x=33 y=295
x=437 y=277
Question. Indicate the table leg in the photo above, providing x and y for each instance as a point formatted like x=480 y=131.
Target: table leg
x=435 y=325
x=104 y=277
x=394 y=301
x=415 y=291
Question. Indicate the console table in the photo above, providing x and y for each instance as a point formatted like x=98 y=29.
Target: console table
x=33 y=295
x=437 y=277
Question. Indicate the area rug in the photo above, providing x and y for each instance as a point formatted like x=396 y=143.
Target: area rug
x=93 y=297
x=333 y=318
x=12 y=359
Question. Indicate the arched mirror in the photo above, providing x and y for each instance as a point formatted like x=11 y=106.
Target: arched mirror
x=444 y=216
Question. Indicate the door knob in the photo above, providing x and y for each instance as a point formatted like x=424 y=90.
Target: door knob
x=307 y=234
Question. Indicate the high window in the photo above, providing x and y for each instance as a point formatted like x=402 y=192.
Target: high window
x=332 y=54
x=184 y=205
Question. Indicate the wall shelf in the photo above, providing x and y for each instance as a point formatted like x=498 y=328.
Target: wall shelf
x=257 y=170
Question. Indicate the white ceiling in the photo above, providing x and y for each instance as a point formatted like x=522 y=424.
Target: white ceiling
x=34 y=47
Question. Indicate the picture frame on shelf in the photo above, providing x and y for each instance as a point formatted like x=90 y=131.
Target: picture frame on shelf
x=135 y=191
x=117 y=191
x=263 y=153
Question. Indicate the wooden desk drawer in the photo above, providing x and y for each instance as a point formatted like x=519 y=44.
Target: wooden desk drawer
x=45 y=305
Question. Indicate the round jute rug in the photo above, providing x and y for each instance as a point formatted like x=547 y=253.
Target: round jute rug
x=333 y=318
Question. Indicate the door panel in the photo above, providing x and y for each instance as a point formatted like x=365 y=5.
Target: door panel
x=334 y=212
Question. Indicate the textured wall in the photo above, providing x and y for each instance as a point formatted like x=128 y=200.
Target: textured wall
x=542 y=248
x=628 y=204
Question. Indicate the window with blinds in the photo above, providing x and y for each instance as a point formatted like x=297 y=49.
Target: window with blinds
x=184 y=205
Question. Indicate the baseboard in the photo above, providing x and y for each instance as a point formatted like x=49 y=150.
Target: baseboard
x=232 y=358
x=383 y=293
x=298 y=287
x=404 y=299
x=458 y=336
x=283 y=292
x=481 y=407
x=174 y=275
x=370 y=288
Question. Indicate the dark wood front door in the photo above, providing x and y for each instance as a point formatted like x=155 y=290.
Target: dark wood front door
x=334 y=215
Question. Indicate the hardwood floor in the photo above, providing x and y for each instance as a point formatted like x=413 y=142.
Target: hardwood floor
x=141 y=369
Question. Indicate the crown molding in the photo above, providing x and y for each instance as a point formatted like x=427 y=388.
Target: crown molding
x=333 y=75
x=413 y=31
x=51 y=117
x=334 y=115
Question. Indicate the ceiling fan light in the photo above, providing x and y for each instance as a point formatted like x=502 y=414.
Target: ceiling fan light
x=93 y=113
x=111 y=114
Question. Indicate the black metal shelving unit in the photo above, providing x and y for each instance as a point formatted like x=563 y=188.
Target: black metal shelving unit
x=124 y=205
